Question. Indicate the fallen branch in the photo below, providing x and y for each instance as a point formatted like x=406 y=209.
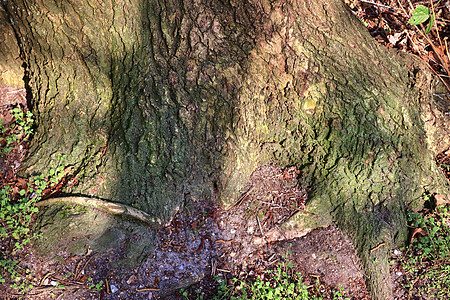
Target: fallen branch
x=105 y=206
x=108 y=289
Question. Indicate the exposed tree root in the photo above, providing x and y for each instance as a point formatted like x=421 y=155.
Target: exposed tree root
x=108 y=207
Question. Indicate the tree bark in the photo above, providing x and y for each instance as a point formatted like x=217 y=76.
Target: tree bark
x=11 y=71
x=153 y=103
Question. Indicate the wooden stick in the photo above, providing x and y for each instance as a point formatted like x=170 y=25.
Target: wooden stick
x=108 y=289
x=225 y=242
x=147 y=290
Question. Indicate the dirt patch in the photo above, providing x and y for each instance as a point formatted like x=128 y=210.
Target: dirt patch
x=328 y=255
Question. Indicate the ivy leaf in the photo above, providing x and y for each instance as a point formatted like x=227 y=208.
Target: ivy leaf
x=419 y=15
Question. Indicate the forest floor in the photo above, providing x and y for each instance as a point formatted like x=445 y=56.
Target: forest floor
x=206 y=248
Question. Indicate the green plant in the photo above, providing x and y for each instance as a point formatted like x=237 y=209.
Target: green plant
x=96 y=287
x=421 y=14
x=184 y=293
x=339 y=295
x=281 y=283
x=24 y=122
x=16 y=213
x=19 y=131
x=427 y=259
x=17 y=206
x=16 y=278
x=55 y=175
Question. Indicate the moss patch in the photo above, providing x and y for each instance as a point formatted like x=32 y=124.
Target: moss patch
x=75 y=229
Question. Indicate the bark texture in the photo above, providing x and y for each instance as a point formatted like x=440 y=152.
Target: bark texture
x=11 y=71
x=153 y=103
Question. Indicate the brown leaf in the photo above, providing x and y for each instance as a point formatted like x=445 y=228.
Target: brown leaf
x=22 y=183
x=440 y=200
x=415 y=232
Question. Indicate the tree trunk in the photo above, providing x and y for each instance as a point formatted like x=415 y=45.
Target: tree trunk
x=11 y=71
x=153 y=103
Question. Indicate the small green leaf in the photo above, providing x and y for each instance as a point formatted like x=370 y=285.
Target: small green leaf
x=419 y=15
x=430 y=24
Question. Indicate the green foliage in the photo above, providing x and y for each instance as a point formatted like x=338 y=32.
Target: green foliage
x=24 y=122
x=95 y=287
x=339 y=295
x=17 y=206
x=16 y=214
x=20 y=131
x=427 y=260
x=278 y=284
x=281 y=283
x=55 y=175
x=421 y=14
x=12 y=269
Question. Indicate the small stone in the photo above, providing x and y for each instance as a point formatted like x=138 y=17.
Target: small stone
x=113 y=288
x=131 y=279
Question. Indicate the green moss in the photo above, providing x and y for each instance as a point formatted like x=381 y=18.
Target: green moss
x=68 y=229
x=76 y=229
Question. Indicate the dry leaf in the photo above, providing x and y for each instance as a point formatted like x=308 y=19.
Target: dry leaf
x=440 y=200
x=415 y=232
x=22 y=183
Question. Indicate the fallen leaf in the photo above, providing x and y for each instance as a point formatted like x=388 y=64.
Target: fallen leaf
x=440 y=200
x=415 y=232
